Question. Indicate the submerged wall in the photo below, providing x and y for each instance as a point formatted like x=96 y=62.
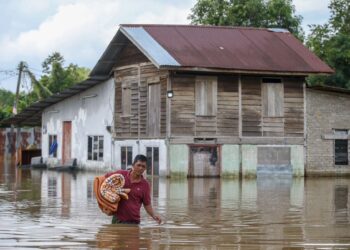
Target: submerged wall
x=248 y=160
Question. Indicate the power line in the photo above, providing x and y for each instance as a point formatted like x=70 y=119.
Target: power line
x=8 y=72
x=7 y=78
x=38 y=70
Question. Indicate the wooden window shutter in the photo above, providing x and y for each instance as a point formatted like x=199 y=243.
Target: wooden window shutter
x=273 y=99
x=126 y=99
x=206 y=95
x=154 y=111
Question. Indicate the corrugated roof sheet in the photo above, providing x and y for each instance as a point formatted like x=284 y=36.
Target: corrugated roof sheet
x=150 y=47
x=31 y=116
x=248 y=49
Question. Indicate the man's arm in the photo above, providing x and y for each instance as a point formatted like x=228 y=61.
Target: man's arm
x=150 y=211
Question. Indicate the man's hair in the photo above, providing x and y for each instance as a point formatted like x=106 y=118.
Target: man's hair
x=141 y=158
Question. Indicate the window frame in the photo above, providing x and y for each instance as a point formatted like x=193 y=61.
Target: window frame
x=52 y=137
x=269 y=90
x=96 y=141
x=128 y=158
x=341 y=132
x=151 y=160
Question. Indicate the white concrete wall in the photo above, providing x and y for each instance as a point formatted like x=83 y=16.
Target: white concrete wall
x=89 y=116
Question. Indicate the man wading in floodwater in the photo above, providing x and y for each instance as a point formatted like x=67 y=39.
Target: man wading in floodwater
x=129 y=210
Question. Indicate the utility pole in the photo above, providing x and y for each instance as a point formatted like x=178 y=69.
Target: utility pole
x=20 y=70
x=12 y=146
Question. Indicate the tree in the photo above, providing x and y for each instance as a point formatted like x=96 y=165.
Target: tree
x=248 y=13
x=6 y=102
x=331 y=42
x=57 y=77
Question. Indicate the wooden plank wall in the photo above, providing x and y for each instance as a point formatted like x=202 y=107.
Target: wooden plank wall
x=184 y=121
x=293 y=107
x=251 y=106
x=290 y=124
x=129 y=55
x=183 y=116
x=135 y=125
x=228 y=106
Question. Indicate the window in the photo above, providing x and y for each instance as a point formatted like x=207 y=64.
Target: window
x=126 y=157
x=53 y=146
x=152 y=154
x=341 y=152
x=272 y=97
x=95 y=148
x=206 y=95
x=126 y=98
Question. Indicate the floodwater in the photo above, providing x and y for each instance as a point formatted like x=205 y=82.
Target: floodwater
x=48 y=209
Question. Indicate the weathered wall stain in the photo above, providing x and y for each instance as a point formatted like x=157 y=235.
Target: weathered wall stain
x=28 y=137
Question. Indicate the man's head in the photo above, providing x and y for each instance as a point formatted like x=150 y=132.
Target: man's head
x=139 y=164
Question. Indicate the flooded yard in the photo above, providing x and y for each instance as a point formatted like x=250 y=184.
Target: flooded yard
x=48 y=209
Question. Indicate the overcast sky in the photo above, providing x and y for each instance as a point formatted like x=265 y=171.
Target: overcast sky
x=80 y=30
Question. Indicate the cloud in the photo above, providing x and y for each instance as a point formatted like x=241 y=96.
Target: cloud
x=81 y=30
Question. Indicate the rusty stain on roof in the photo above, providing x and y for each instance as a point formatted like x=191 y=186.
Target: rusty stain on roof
x=236 y=48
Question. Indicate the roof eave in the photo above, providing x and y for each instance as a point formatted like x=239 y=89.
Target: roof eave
x=241 y=71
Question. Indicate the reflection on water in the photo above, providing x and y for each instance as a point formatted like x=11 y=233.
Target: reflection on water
x=47 y=209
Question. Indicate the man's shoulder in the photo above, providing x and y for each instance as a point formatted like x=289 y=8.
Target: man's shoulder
x=120 y=171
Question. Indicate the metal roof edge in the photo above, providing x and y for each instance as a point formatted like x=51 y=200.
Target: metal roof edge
x=39 y=106
x=149 y=46
x=329 y=89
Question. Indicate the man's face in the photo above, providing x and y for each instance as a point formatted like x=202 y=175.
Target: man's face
x=139 y=167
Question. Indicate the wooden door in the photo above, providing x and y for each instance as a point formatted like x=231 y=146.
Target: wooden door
x=66 y=142
x=153 y=117
x=204 y=161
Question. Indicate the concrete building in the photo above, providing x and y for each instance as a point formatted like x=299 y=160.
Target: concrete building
x=328 y=131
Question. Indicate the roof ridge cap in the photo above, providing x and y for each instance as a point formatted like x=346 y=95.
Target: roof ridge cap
x=194 y=26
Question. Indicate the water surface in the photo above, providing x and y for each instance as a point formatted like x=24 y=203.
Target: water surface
x=48 y=209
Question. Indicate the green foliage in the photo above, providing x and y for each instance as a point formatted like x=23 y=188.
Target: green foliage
x=6 y=102
x=57 y=77
x=331 y=42
x=249 y=13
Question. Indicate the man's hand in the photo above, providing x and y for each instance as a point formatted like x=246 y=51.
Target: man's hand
x=157 y=219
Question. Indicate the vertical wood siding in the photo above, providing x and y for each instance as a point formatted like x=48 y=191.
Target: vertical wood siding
x=228 y=106
x=251 y=106
x=183 y=117
x=135 y=124
x=130 y=55
x=185 y=122
x=293 y=107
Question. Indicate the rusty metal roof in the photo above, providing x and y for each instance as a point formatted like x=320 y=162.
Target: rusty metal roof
x=233 y=48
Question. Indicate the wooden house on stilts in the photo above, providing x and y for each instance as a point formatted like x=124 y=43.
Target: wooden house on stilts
x=198 y=101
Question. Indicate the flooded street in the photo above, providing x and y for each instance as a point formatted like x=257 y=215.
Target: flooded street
x=48 y=209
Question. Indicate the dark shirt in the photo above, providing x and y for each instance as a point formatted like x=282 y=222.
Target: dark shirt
x=129 y=210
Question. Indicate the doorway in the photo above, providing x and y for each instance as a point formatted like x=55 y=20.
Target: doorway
x=66 y=142
x=204 y=161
